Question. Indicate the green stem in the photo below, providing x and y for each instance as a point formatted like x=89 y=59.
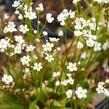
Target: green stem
x=76 y=103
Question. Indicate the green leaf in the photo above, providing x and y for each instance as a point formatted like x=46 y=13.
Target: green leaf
x=58 y=104
x=33 y=105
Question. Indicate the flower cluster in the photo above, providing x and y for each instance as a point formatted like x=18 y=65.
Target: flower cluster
x=64 y=15
x=101 y=88
x=55 y=67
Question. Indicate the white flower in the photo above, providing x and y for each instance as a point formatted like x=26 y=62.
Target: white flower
x=17 y=12
x=7 y=79
x=78 y=26
x=72 y=67
x=19 y=39
x=75 y=1
x=68 y=75
x=49 y=58
x=49 y=18
x=87 y=33
x=107 y=81
x=100 y=88
x=70 y=81
x=27 y=70
x=97 y=46
x=90 y=42
x=25 y=60
x=57 y=83
x=64 y=82
x=83 y=55
x=6 y=16
x=64 y=15
x=81 y=93
x=99 y=1
x=93 y=37
x=69 y=93
x=54 y=39
x=37 y=66
x=92 y=26
x=77 y=33
x=44 y=33
x=35 y=31
x=18 y=49
x=105 y=45
x=106 y=66
x=60 y=33
x=16 y=4
x=20 y=16
x=23 y=28
x=79 y=45
x=30 y=48
x=71 y=14
x=48 y=46
x=30 y=15
x=4 y=43
x=106 y=92
x=40 y=8
x=10 y=27
x=56 y=74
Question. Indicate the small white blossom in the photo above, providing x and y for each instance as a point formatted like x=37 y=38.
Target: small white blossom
x=60 y=33
x=83 y=55
x=48 y=46
x=10 y=27
x=20 y=16
x=18 y=49
x=4 y=43
x=27 y=70
x=40 y=8
x=90 y=42
x=70 y=81
x=16 y=3
x=44 y=33
x=97 y=46
x=72 y=67
x=105 y=45
x=56 y=74
x=71 y=14
x=19 y=39
x=30 y=48
x=7 y=79
x=6 y=16
x=77 y=33
x=79 y=45
x=102 y=1
x=69 y=75
x=17 y=12
x=75 y=1
x=25 y=60
x=37 y=66
x=49 y=58
x=106 y=92
x=57 y=83
x=23 y=28
x=54 y=39
x=49 y=18
x=100 y=88
x=64 y=82
x=30 y=14
x=69 y=93
x=35 y=31
x=81 y=93
x=107 y=81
